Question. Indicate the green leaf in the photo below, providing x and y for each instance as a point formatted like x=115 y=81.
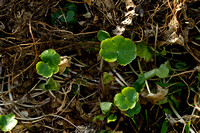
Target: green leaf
x=143 y=51
x=127 y=99
x=149 y=74
x=197 y=38
x=118 y=48
x=7 y=122
x=102 y=35
x=52 y=85
x=174 y=101
x=163 y=70
x=167 y=111
x=180 y=65
x=164 y=127
x=133 y=111
x=105 y=107
x=71 y=6
x=44 y=69
x=111 y=118
x=58 y=15
x=187 y=127
x=71 y=17
x=107 y=78
x=163 y=52
x=42 y=86
x=139 y=83
x=99 y=117
x=50 y=57
x=49 y=65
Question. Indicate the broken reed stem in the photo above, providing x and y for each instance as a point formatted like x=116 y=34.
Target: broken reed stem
x=180 y=118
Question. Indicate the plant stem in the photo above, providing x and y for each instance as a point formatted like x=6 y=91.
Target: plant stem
x=139 y=65
x=133 y=70
x=156 y=36
x=146 y=83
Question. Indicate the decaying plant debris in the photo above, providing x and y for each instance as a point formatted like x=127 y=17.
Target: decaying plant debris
x=26 y=30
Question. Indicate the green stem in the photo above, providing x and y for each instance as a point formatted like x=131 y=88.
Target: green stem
x=146 y=83
x=133 y=70
x=139 y=65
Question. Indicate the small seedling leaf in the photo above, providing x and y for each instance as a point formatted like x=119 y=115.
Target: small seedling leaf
x=133 y=111
x=43 y=69
x=7 y=122
x=50 y=57
x=58 y=15
x=163 y=52
x=49 y=65
x=102 y=35
x=106 y=107
x=180 y=65
x=127 y=99
x=164 y=127
x=143 y=51
x=52 y=85
x=139 y=83
x=99 y=117
x=187 y=127
x=111 y=118
x=118 y=48
x=163 y=70
x=107 y=78
x=71 y=17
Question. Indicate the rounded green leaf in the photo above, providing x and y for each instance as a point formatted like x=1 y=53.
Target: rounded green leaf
x=43 y=69
x=127 y=99
x=108 y=50
x=49 y=65
x=52 y=85
x=50 y=57
x=163 y=70
x=105 y=107
x=102 y=35
x=71 y=17
x=59 y=15
x=118 y=48
x=164 y=127
x=7 y=122
x=54 y=69
x=143 y=51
